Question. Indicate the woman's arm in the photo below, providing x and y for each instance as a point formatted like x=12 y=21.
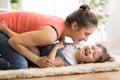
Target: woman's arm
x=44 y=36
x=25 y=43
x=10 y=33
x=51 y=56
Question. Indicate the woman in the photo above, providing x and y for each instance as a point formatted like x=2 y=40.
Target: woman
x=40 y=30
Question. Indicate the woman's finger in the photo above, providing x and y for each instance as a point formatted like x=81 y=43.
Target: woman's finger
x=49 y=61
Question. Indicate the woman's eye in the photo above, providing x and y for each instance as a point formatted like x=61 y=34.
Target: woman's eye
x=87 y=34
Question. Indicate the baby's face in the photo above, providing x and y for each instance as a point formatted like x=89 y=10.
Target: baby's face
x=89 y=53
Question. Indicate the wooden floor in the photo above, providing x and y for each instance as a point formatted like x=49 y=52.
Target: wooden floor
x=92 y=76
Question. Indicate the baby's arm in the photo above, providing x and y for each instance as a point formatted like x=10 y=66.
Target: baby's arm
x=53 y=52
x=52 y=55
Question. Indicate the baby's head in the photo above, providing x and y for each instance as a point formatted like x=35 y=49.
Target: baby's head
x=105 y=56
x=95 y=53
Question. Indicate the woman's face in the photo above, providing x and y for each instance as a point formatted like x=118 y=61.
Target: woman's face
x=89 y=53
x=82 y=34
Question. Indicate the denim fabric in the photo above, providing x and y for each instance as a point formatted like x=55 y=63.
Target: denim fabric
x=45 y=49
x=59 y=53
x=4 y=65
x=11 y=56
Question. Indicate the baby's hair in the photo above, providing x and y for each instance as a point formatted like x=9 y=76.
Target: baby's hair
x=83 y=16
x=105 y=56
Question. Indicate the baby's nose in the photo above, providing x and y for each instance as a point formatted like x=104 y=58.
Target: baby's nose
x=91 y=51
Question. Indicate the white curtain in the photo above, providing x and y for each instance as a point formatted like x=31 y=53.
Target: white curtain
x=113 y=27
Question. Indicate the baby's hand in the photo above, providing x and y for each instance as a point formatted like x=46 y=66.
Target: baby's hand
x=3 y=27
x=59 y=45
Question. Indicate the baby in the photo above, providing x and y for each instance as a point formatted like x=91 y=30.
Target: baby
x=70 y=54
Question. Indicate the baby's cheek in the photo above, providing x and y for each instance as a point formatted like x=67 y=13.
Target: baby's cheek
x=90 y=59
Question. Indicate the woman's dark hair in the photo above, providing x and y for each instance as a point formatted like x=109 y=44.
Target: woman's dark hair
x=83 y=16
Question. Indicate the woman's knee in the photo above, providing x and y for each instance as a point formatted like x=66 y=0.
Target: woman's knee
x=4 y=65
x=19 y=65
x=22 y=65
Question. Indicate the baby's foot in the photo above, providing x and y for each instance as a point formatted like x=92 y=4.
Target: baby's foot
x=3 y=27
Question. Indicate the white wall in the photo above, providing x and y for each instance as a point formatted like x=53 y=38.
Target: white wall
x=52 y=7
x=113 y=27
x=5 y=5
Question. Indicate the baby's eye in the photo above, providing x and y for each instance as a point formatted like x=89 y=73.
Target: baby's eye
x=93 y=47
x=93 y=55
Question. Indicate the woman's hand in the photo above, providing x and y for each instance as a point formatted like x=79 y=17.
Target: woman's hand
x=45 y=62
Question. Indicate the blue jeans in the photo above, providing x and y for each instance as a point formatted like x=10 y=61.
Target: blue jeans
x=10 y=58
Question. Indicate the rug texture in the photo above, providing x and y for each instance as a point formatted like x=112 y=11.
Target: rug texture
x=77 y=69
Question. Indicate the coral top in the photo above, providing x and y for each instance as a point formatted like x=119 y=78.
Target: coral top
x=28 y=21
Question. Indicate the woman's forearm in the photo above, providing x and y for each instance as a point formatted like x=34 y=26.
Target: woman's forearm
x=26 y=52
x=22 y=42
x=11 y=33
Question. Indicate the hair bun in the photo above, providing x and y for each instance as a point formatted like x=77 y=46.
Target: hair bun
x=84 y=7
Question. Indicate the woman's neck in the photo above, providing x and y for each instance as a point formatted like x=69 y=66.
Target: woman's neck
x=66 y=31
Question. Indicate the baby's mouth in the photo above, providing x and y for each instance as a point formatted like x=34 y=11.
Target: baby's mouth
x=85 y=53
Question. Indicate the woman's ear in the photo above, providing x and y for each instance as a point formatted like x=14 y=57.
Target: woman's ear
x=74 y=25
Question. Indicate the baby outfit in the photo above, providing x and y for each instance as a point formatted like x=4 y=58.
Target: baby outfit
x=66 y=53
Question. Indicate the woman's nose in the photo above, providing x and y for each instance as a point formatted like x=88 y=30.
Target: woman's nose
x=85 y=38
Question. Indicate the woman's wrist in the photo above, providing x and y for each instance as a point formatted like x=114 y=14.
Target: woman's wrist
x=36 y=60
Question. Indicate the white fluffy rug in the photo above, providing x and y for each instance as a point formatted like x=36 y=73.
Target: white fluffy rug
x=77 y=69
